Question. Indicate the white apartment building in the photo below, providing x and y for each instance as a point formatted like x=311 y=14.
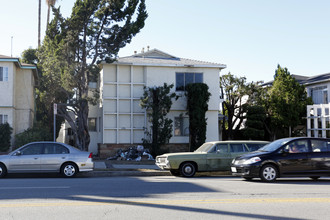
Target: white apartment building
x=119 y=119
x=17 y=102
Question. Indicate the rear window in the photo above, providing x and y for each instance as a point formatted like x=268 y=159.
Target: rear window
x=320 y=146
x=55 y=149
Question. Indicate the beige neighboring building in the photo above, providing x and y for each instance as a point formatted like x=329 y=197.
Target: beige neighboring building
x=119 y=121
x=17 y=102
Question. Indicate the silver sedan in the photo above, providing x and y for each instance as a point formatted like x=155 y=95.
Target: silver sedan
x=46 y=157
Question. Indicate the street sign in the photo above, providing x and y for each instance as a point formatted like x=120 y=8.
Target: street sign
x=55 y=109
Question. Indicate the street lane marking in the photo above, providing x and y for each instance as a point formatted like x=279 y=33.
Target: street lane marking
x=167 y=202
x=34 y=187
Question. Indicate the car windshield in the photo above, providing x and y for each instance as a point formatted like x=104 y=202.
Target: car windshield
x=274 y=145
x=204 y=148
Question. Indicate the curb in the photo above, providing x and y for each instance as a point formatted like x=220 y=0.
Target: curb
x=113 y=172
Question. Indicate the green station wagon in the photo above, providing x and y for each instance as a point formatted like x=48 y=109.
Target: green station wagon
x=211 y=156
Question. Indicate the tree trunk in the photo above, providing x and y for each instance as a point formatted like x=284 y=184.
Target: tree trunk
x=39 y=23
x=83 y=137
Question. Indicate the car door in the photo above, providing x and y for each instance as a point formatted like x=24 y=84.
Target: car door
x=54 y=156
x=295 y=158
x=320 y=156
x=218 y=158
x=27 y=159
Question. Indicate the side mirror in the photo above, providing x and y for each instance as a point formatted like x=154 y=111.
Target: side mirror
x=18 y=153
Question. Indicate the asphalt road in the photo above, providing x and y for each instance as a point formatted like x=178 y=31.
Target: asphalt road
x=162 y=197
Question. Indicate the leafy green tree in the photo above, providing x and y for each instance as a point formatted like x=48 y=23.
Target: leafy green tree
x=234 y=90
x=287 y=101
x=197 y=99
x=46 y=90
x=95 y=32
x=5 y=136
x=30 y=56
x=158 y=101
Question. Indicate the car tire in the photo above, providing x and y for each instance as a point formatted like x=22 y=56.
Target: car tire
x=268 y=173
x=69 y=169
x=175 y=172
x=314 y=177
x=188 y=169
x=3 y=170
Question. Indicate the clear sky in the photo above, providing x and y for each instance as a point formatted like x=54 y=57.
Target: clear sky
x=250 y=36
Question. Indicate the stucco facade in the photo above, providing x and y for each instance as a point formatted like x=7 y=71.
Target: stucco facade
x=17 y=103
x=119 y=117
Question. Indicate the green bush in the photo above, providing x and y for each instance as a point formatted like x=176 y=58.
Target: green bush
x=197 y=98
x=37 y=133
x=5 y=136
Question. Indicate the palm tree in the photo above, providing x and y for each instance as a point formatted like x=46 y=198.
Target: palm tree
x=50 y=3
x=39 y=21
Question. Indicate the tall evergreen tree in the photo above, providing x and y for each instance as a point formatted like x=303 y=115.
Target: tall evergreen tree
x=95 y=32
x=287 y=101
x=158 y=101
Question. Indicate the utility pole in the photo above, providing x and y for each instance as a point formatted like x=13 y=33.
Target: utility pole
x=11 y=48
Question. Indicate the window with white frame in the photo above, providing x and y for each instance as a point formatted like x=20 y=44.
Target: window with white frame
x=92 y=124
x=181 y=126
x=319 y=94
x=3 y=119
x=3 y=73
x=183 y=79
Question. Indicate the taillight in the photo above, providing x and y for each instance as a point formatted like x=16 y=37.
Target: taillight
x=90 y=155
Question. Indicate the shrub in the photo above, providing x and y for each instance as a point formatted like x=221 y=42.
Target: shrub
x=5 y=136
x=37 y=133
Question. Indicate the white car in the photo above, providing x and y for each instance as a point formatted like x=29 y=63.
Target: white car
x=46 y=157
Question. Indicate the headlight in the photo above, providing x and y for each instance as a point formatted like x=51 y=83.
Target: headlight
x=252 y=160
x=233 y=161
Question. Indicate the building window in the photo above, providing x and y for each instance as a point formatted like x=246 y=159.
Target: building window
x=3 y=73
x=92 y=124
x=92 y=85
x=183 y=79
x=319 y=95
x=181 y=126
x=3 y=119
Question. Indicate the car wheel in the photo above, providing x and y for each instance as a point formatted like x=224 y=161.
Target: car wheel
x=69 y=170
x=188 y=169
x=248 y=178
x=175 y=172
x=268 y=173
x=314 y=177
x=3 y=170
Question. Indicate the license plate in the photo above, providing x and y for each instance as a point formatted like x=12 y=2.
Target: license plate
x=233 y=169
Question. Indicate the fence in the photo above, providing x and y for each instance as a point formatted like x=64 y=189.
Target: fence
x=318 y=120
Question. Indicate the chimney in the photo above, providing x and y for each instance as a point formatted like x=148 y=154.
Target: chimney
x=142 y=51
